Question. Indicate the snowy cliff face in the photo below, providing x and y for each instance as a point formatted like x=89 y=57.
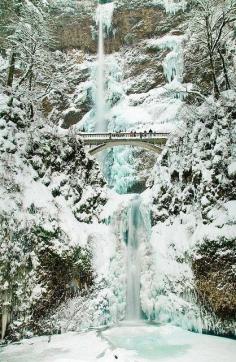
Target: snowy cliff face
x=50 y=192
x=193 y=189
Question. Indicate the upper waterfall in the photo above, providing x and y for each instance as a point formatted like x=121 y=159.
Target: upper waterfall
x=103 y=19
x=100 y=96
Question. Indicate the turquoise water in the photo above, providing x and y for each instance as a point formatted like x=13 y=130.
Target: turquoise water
x=150 y=346
x=168 y=343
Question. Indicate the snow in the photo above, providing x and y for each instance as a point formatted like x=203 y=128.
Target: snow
x=166 y=42
x=212 y=232
x=34 y=192
x=77 y=231
x=232 y=169
x=115 y=202
x=104 y=243
x=228 y=97
x=3 y=100
x=37 y=194
x=165 y=277
x=62 y=348
x=130 y=343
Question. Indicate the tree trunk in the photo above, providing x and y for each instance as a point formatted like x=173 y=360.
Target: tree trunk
x=11 y=69
x=215 y=84
x=211 y=57
x=31 y=108
x=227 y=82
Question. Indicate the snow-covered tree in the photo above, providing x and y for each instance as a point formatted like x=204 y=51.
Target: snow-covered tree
x=30 y=62
x=212 y=32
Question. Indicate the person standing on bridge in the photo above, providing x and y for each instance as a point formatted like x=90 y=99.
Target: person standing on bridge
x=150 y=132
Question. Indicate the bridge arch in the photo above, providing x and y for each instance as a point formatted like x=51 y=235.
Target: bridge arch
x=126 y=142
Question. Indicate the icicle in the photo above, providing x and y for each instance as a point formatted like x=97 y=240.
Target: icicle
x=173 y=63
x=173 y=6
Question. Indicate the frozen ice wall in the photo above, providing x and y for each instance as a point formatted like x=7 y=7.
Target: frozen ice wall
x=167 y=285
x=172 y=6
x=173 y=63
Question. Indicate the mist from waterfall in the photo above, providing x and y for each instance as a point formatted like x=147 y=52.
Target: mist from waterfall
x=133 y=307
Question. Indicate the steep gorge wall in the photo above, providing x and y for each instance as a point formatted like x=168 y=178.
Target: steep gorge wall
x=130 y=25
x=193 y=188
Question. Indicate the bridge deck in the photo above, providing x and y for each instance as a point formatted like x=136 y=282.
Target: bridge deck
x=151 y=141
x=124 y=137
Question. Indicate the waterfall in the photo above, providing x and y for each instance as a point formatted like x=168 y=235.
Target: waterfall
x=135 y=222
x=100 y=97
x=103 y=19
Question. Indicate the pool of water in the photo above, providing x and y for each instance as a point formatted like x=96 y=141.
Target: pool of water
x=168 y=343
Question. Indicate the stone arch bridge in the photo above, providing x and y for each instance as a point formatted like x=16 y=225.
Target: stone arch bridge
x=151 y=141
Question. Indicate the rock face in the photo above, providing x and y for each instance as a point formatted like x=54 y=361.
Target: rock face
x=140 y=61
x=213 y=268
x=129 y=27
x=74 y=33
x=71 y=97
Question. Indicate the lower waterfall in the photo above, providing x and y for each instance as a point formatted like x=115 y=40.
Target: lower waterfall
x=133 y=263
x=135 y=230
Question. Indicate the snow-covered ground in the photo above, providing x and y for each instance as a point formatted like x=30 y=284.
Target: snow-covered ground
x=125 y=343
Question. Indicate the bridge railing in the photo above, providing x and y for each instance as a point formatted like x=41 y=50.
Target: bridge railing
x=115 y=135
